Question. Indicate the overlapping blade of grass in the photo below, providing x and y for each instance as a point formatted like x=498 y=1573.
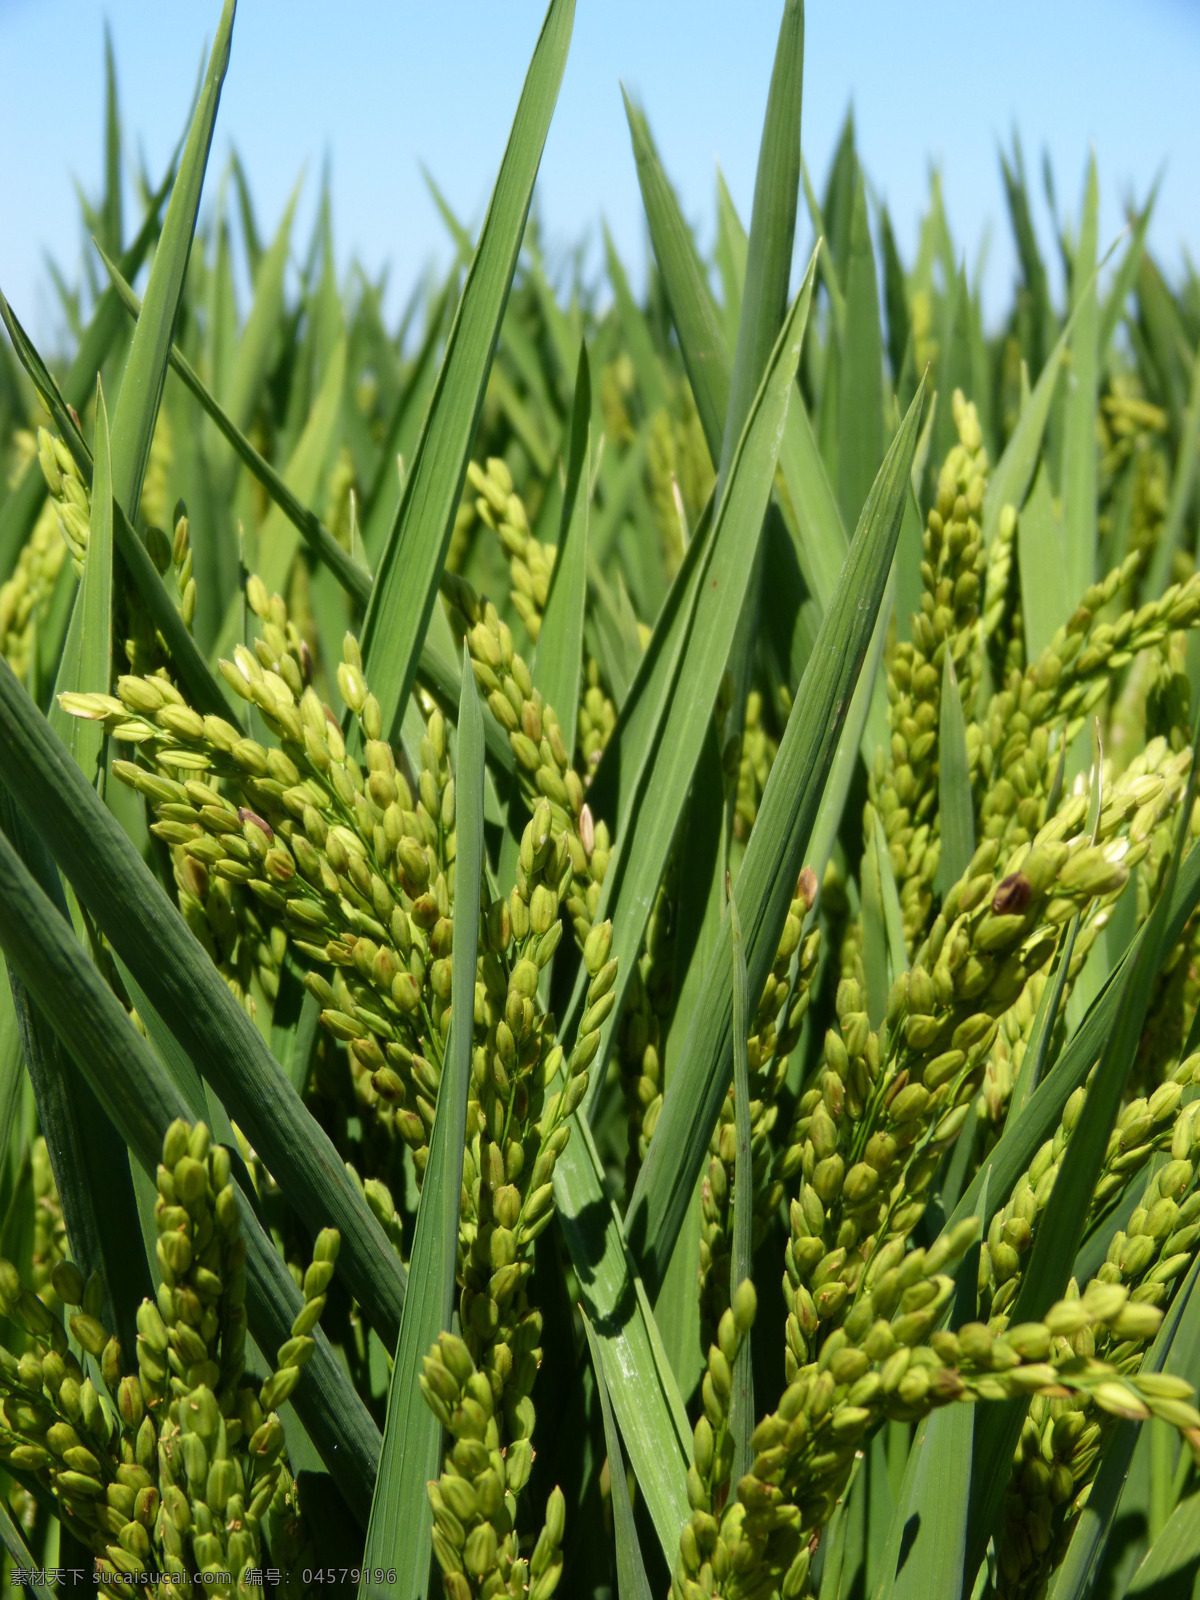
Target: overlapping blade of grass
x=1172 y=1561
x=110 y=209
x=893 y=919
x=895 y=299
x=1077 y=1575
x=632 y=1582
x=380 y=499
x=822 y=542
x=618 y=777
x=762 y=307
x=19 y=511
x=730 y=252
x=1061 y=1224
x=860 y=385
x=1125 y=276
x=1166 y=345
x=741 y=1410
x=639 y=859
x=1046 y=592
x=693 y=310
x=90 y=1170
x=350 y=574
x=202 y=687
x=874 y=933
x=1032 y=266
x=406 y=583
x=130 y=1084
x=279 y=536
x=400 y=1532
x=1078 y=478
x=637 y=337
x=644 y=1394
x=1182 y=479
x=10 y=1536
x=1012 y=473
x=147 y=932
x=559 y=660
x=772 y=233
x=146 y=369
x=773 y=859
x=12 y=1066
x=1038 y=1047
x=956 y=808
x=86 y=664
x=836 y=790
x=257 y=336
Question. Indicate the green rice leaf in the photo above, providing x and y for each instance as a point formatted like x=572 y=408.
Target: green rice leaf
x=773 y=859
x=146 y=369
x=617 y=780
x=1047 y=595
x=349 y=573
x=130 y=907
x=741 y=1416
x=636 y=867
x=127 y=1079
x=874 y=933
x=90 y=1170
x=1032 y=266
x=895 y=299
x=772 y=232
x=860 y=378
x=893 y=918
x=1078 y=478
x=400 y=1532
x=1010 y=478
x=632 y=1582
x=1182 y=479
x=86 y=664
x=558 y=663
x=1037 y=1048
x=257 y=336
x=382 y=496
x=637 y=336
x=1172 y=1560
x=1125 y=276
x=202 y=687
x=693 y=310
x=410 y=566
x=832 y=804
x=19 y=511
x=641 y=1385
x=18 y=1550
x=278 y=539
x=956 y=807
x=731 y=251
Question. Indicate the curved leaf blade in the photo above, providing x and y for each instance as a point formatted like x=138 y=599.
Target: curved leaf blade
x=400 y=1532
x=773 y=859
x=406 y=585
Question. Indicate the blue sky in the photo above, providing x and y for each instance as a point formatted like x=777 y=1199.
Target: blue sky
x=380 y=87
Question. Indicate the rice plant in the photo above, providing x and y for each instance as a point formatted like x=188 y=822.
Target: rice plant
x=777 y=714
